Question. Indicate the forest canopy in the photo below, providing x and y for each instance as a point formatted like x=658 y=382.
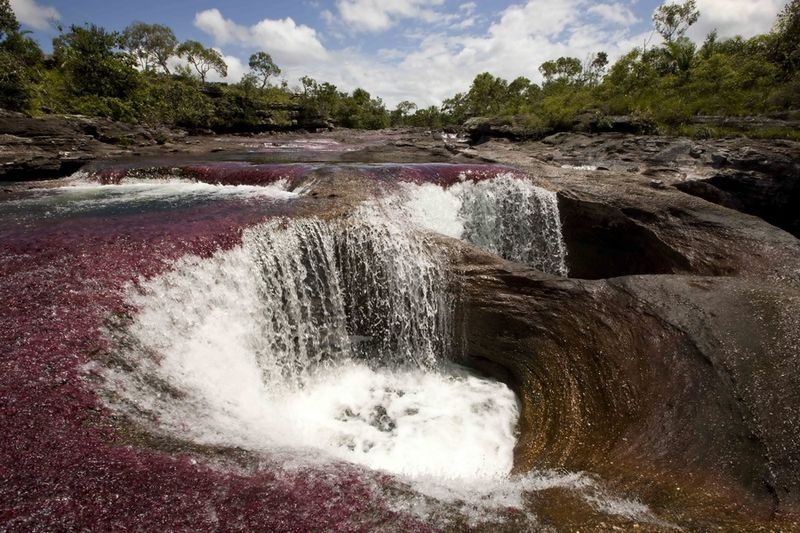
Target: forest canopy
x=144 y=74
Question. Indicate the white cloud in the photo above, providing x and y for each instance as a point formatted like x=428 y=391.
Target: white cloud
x=464 y=24
x=614 y=13
x=520 y=39
x=735 y=17
x=445 y=59
x=287 y=42
x=380 y=15
x=236 y=69
x=29 y=13
x=536 y=18
x=469 y=8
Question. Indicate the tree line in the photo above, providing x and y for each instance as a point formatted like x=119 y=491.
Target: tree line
x=665 y=85
x=143 y=74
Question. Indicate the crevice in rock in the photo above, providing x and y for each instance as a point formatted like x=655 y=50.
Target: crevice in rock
x=771 y=197
x=604 y=241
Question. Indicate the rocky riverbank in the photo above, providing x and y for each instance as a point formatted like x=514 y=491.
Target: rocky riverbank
x=668 y=365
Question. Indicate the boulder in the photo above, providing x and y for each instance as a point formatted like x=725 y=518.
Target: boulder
x=481 y=129
x=56 y=146
x=669 y=387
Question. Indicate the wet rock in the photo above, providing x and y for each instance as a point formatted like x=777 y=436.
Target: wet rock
x=648 y=380
x=668 y=367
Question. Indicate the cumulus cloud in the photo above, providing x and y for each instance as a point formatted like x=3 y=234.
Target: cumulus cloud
x=735 y=17
x=614 y=13
x=380 y=15
x=537 y=18
x=521 y=38
x=469 y=7
x=285 y=40
x=29 y=13
x=236 y=69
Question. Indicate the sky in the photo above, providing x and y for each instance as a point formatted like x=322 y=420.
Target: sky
x=418 y=50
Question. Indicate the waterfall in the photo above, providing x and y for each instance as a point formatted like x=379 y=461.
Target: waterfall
x=505 y=215
x=313 y=334
x=363 y=287
x=394 y=289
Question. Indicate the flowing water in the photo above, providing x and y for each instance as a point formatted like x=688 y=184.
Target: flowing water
x=314 y=341
x=323 y=335
x=506 y=216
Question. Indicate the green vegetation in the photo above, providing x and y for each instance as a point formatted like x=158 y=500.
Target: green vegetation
x=134 y=76
x=665 y=86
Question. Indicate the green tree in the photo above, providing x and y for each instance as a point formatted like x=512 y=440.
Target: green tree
x=8 y=21
x=564 y=70
x=486 y=95
x=20 y=62
x=401 y=113
x=320 y=101
x=92 y=64
x=679 y=55
x=263 y=68
x=786 y=38
x=151 y=44
x=454 y=109
x=518 y=96
x=430 y=117
x=203 y=59
x=672 y=20
x=361 y=111
x=596 y=68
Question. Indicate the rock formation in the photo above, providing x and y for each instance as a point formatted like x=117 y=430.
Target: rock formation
x=669 y=366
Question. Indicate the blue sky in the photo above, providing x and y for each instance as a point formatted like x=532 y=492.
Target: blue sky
x=420 y=50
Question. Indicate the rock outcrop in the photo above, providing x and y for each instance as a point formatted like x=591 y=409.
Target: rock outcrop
x=669 y=367
x=53 y=146
x=761 y=181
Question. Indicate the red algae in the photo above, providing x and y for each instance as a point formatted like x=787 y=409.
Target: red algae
x=245 y=173
x=63 y=465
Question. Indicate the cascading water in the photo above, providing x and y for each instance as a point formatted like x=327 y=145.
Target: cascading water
x=313 y=334
x=327 y=340
x=506 y=216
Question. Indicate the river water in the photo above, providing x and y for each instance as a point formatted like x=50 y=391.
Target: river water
x=187 y=353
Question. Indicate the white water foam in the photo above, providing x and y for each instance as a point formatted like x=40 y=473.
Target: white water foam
x=82 y=195
x=323 y=341
x=306 y=145
x=505 y=215
x=580 y=167
x=252 y=348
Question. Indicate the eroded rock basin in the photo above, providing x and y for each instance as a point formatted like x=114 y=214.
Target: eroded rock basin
x=664 y=397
